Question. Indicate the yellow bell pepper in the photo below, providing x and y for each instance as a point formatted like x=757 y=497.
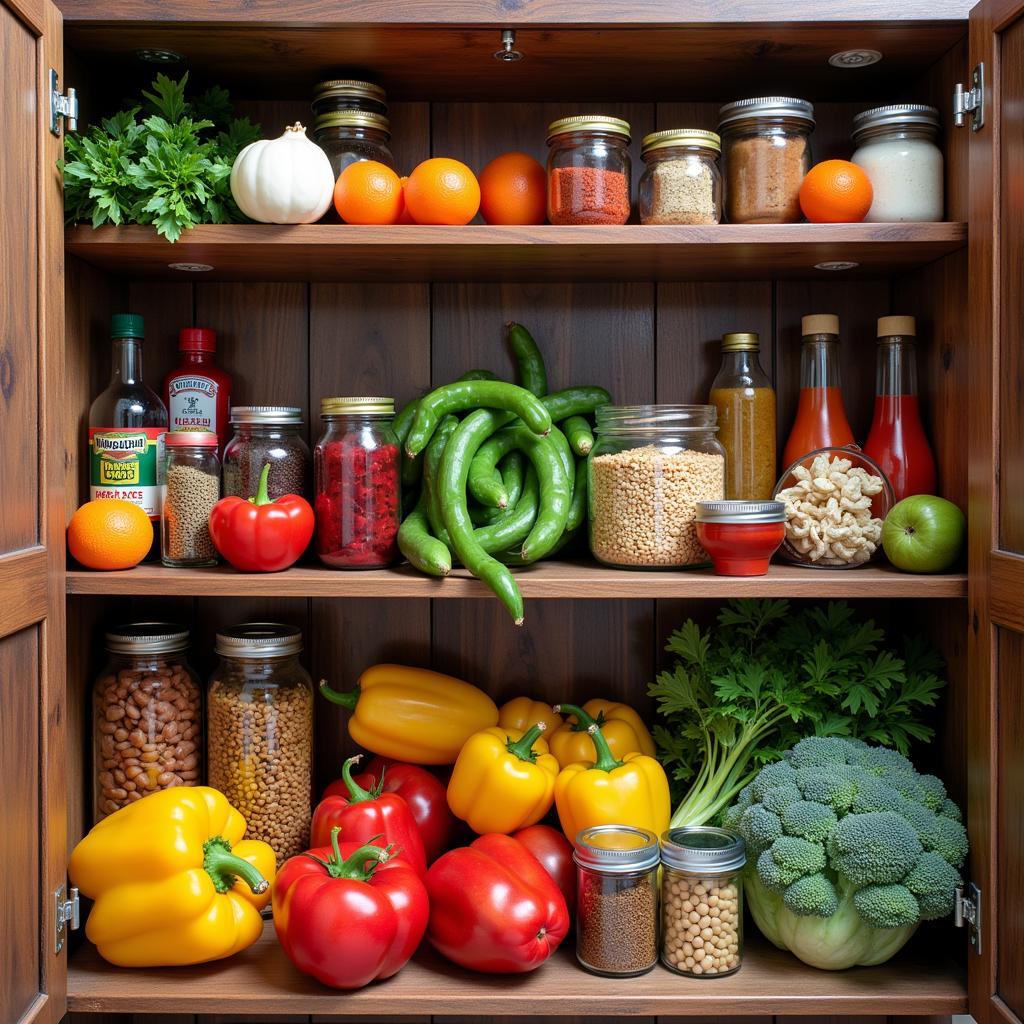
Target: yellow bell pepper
x=413 y=714
x=621 y=726
x=524 y=712
x=632 y=790
x=173 y=880
x=503 y=780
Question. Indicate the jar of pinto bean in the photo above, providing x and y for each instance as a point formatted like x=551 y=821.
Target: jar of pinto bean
x=147 y=714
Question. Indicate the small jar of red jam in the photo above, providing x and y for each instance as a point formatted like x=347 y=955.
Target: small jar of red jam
x=358 y=486
x=741 y=536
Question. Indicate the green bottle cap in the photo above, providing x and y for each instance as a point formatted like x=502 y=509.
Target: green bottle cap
x=126 y=325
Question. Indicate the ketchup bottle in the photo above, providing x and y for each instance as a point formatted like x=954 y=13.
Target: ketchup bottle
x=197 y=392
x=820 y=416
x=897 y=440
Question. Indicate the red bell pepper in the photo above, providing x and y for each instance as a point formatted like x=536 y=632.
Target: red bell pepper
x=423 y=792
x=349 y=914
x=554 y=852
x=493 y=908
x=260 y=535
x=362 y=814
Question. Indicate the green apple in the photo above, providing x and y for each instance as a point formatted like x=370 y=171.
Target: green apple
x=923 y=533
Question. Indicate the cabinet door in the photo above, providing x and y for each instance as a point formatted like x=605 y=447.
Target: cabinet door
x=996 y=513
x=32 y=647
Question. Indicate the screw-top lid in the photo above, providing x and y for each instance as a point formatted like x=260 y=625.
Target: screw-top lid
x=680 y=137
x=363 y=406
x=348 y=88
x=702 y=849
x=352 y=119
x=897 y=326
x=765 y=107
x=895 y=115
x=617 y=849
x=259 y=640
x=127 y=325
x=741 y=342
x=147 y=638
x=267 y=415
x=819 y=323
x=197 y=339
x=741 y=512
x=589 y=123
x=190 y=439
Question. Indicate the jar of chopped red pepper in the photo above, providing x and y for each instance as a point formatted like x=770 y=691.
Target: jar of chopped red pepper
x=588 y=170
x=358 y=487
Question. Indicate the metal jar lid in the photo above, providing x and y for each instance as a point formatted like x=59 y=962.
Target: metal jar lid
x=703 y=850
x=352 y=119
x=147 y=638
x=741 y=341
x=267 y=415
x=741 y=512
x=259 y=640
x=617 y=849
x=895 y=115
x=588 y=123
x=348 y=88
x=190 y=439
x=741 y=111
x=681 y=137
x=363 y=406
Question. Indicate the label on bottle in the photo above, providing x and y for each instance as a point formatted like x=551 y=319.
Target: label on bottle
x=123 y=464
x=192 y=403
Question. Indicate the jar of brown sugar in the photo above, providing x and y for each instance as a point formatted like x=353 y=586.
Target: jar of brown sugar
x=588 y=170
x=767 y=153
x=682 y=183
x=617 y=899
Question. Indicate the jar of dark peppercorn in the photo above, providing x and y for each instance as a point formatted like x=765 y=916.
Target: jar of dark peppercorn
x=358 y=486
x=266 y=434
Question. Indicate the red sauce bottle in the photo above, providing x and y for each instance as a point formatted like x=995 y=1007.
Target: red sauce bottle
x=197 y=392
x=820 y=416
x=897 y=441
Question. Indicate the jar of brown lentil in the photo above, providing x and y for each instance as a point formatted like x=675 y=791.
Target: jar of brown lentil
x=767 y=153
x=617 y=899
x=260 y=732
x=147 y=717
x=682 y=183
x=702 y=901
x=190 y=479
x=267 y=434
x=588 y=170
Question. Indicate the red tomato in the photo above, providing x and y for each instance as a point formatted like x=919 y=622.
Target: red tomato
x=554 y=852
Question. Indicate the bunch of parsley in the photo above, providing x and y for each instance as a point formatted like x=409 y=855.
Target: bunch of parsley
x=742 y=693
x=166 y=162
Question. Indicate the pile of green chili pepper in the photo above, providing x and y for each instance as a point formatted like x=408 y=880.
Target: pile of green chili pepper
x=494 y=473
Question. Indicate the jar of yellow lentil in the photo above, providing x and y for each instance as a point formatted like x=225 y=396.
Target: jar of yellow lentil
x=682 y=183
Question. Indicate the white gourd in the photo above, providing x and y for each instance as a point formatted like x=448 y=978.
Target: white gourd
x=287 y=180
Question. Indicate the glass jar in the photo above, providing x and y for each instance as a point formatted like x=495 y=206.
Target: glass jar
x=147 y=717
x=745 y=400
x=898 y=148
x=260 y=726
x=348 y=94
x=702 y=875
x=617 y=899
x=266 y=434
x=767 y=152
x=349 y=136
x=682 y=183
x=741 y=536
x=358 y=486
x=190 y=487
x=588 y=170
x=649 y=467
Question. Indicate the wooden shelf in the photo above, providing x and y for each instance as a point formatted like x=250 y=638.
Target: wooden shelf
x=581 y=580
x=262 y=981
x=631 y=252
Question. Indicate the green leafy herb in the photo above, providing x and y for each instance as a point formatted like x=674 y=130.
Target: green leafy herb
x=170 y=169
x=741 y=694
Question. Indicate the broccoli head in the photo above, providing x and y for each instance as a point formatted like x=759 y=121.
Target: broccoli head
x=809 y=820
x=779 y=798
x=759 y=828
x=933 y=880
x=878 y=847
x=812 y=896
x=781 y=773
x=943 y=835
x=837 y=787
x=817 y=751
x=887 y=906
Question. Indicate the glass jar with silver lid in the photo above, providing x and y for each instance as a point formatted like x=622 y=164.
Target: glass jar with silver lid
x=267 y=435
x=897 y=146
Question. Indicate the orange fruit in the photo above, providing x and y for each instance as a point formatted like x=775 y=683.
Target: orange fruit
x=836 y=192
x=513 y=190
x=109 y=534
x=368 y=192
x=404 y=217
x=442 y=191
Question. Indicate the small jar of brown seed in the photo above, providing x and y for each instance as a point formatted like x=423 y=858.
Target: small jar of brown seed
x=147 y=717
x=190 y=482
x=617 y=899
x=702 y=901
x=260 y=726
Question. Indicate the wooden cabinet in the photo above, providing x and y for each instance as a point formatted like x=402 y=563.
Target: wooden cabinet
x=308 y=311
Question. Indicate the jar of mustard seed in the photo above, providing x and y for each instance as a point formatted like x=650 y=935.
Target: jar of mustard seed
x=682 y=183
x=588 y=170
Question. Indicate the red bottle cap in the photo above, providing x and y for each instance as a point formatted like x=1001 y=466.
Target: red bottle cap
x=197 y=339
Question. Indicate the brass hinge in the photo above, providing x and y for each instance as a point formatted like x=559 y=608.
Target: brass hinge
x=62 y=106
x=66 y=915
x=967 y=913
x=970 y=101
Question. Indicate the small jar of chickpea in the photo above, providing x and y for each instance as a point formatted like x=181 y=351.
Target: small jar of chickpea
x=260 y=733
x=702 y=901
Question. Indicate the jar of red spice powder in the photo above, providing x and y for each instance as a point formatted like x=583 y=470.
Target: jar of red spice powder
x=588 y=170
x=358 y=487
